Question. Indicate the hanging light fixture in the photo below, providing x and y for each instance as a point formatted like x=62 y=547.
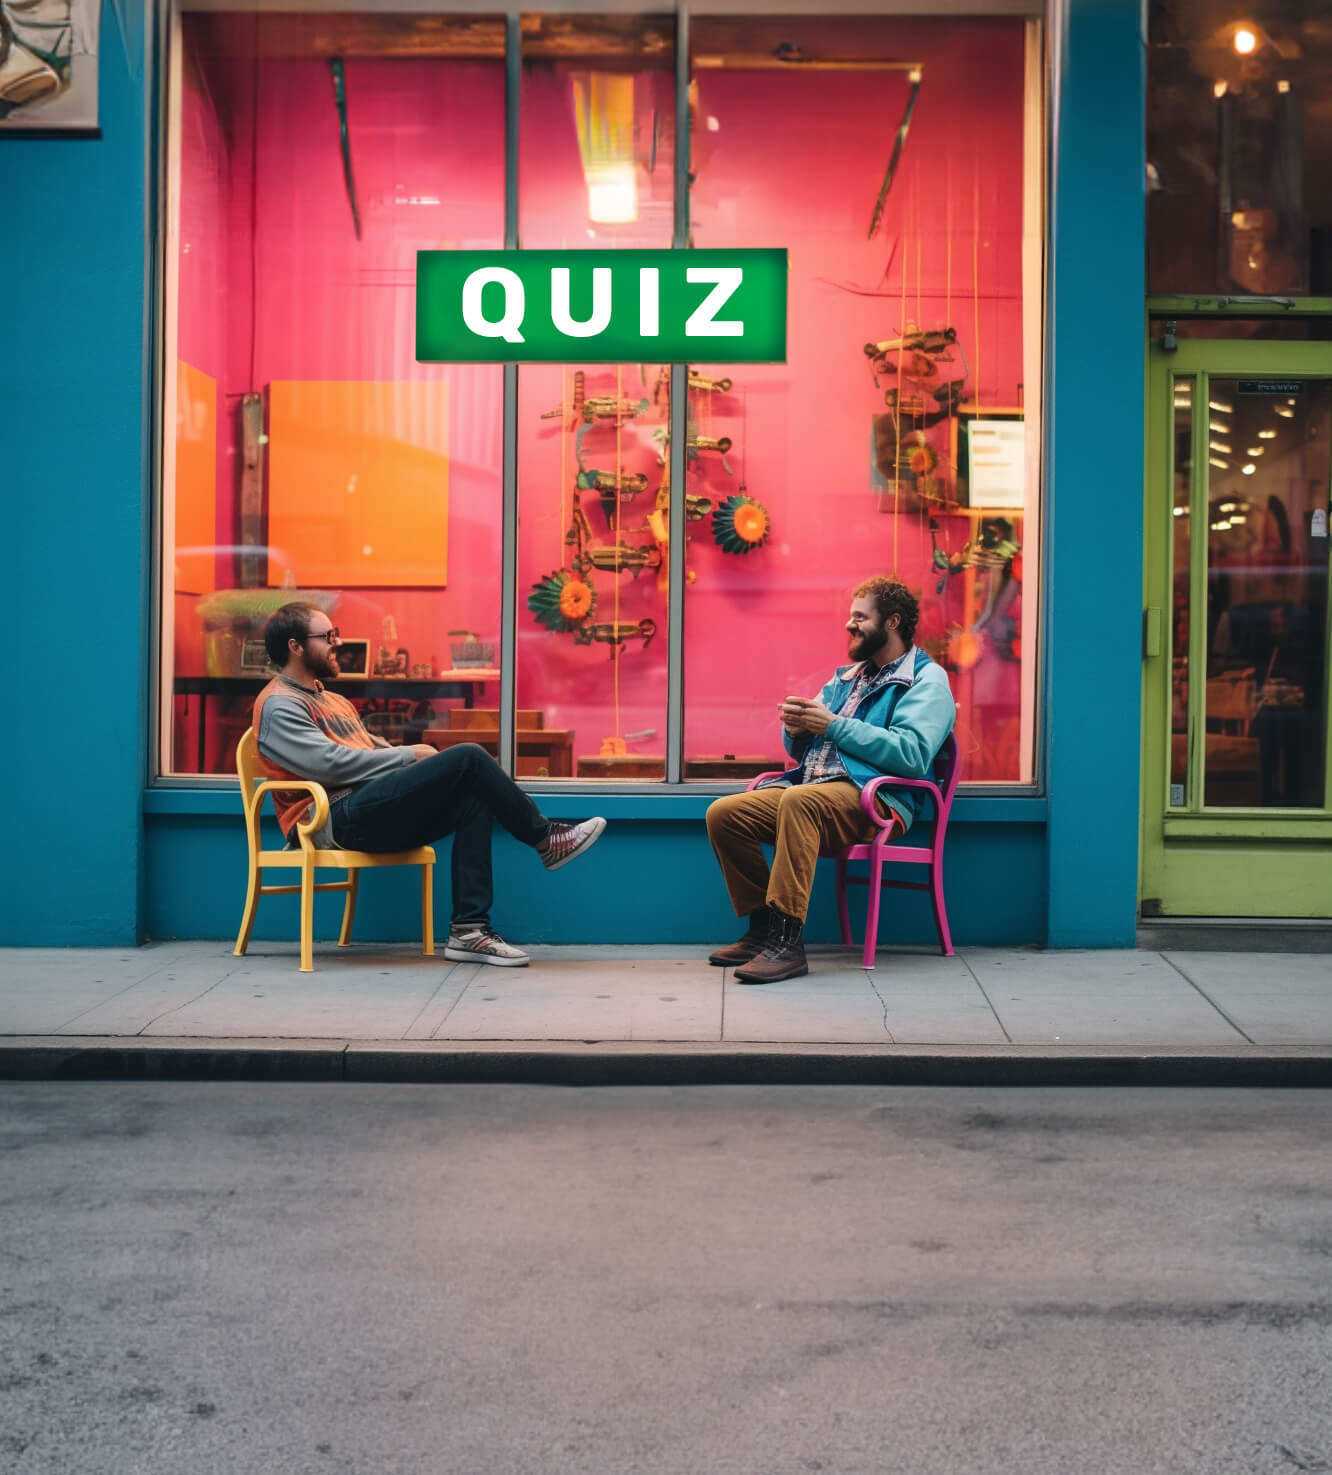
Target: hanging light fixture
x=604 y=118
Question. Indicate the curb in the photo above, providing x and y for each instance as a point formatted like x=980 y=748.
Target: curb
x=615 y=1064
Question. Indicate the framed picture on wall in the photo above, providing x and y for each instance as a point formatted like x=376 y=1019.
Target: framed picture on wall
x=254 y=659
x=354 y=657
x=48 y=67
x=990 y=456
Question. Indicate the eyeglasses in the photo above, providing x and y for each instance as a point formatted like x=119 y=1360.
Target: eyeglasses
x=332 y=635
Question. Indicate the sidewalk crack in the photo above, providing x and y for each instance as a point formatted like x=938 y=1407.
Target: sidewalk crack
x=175 y=1008
x=110 y=998
x=1008 y=1038
x=411 y=1023
x=1207 y=998
x=883 y=1004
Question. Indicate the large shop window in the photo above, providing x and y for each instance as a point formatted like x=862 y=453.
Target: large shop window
x=312 y=456
x=308 y=455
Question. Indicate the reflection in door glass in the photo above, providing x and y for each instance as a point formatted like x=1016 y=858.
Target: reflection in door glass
x=1182 y=467
x=1266 y=592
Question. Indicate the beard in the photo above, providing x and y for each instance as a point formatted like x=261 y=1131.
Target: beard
x=325 y=668
x=868 y=644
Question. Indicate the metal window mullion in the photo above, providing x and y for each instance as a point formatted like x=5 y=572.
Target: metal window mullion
x=513 y=63
x=1198 y=549
x=679 y=429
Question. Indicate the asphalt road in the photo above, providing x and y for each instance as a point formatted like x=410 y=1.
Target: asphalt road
x=428 y=1280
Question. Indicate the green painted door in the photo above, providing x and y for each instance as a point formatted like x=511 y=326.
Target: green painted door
x=1237 y=741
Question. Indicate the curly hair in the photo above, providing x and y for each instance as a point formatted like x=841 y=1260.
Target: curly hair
x=291 y=622
x=891 y=598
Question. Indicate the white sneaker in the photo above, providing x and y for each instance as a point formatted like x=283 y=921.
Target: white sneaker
x=483 y=945
x=564 y=843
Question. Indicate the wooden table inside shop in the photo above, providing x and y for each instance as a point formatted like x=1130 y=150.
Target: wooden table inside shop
x=621 y=765
x=542 y=752
x=462 y=681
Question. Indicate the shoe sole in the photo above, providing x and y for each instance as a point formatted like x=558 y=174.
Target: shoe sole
x=588 y=842
x=776 y=978
x=464 y=955
x=717 y=962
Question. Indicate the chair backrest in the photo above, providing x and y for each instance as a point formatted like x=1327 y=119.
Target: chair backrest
x=247 y=763
x=947 y=771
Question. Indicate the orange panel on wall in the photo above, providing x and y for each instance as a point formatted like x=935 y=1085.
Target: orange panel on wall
x=196 y=480
x=358 y=483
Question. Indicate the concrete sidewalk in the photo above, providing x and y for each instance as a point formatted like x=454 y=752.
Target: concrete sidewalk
x=661 y=1013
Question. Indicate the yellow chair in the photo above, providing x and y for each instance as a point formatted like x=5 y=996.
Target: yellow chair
x=306 y=858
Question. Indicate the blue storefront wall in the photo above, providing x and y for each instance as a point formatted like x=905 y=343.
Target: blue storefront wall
x=108 y=859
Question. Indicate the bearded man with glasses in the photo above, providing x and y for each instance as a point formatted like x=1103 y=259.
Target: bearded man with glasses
x=384 y=798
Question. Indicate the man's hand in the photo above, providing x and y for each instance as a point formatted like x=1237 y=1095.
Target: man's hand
x=423 y=750
x=800 y=714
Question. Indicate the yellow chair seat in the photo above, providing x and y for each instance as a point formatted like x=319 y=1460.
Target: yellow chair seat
x=307 y=859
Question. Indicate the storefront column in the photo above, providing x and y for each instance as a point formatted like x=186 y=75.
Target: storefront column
x=1093 y=613
x=73 y=383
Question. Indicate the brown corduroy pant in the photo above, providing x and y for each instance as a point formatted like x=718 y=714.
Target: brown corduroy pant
x=797 y=822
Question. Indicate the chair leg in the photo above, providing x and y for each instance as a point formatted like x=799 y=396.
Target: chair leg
x=349 y=908
x=247 y=916
x=428 y=910
x=307 y=914
x=940 y=912
x=843 y=909
x=872 y=911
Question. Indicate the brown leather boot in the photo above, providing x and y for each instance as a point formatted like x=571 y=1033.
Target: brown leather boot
x=747 y=947
x=783 y=954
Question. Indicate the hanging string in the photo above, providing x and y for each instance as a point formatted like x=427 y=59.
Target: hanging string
x=617 y=650
x=915 y=215
x=901 y=392
x=564 y=467
x=975 y=269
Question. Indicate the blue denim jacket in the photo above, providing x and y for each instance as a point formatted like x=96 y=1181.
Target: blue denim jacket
x=896 y=730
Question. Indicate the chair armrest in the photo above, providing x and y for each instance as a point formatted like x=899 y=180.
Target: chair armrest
x=875 y=784
x=759 y=777
x=304 y=828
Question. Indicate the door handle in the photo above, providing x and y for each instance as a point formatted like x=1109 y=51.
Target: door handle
x=1151 y=632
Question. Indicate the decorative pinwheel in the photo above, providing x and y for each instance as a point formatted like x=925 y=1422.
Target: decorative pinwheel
x=562 y=601
x=740 y=524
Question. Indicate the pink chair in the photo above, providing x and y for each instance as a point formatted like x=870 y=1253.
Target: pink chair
x=947 y=768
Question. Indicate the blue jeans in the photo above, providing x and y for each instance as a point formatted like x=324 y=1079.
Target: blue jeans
x=457 y=792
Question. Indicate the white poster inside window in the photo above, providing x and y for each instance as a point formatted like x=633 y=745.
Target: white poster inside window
x=997 y=463
x=48 y=66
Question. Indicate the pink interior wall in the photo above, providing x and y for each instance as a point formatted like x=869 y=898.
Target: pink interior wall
x=797 y=161
x=782 y=160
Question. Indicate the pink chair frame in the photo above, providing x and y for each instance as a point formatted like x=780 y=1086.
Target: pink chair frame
x=947 y=768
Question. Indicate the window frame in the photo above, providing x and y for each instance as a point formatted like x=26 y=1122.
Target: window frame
x=165 y=239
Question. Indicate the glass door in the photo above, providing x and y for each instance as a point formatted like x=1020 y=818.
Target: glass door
x=1236 y=816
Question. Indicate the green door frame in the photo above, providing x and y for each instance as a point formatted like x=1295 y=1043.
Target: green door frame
x=1197 y=861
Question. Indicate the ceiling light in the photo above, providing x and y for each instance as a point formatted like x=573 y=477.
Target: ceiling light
x=1217 y=404
x=1248 y=468
x=1219 y=426
x=1283 y=86
x=1285 y=413
x=1218 y=462
x=1244 y=41
x=1221 y=527
x=1218 y=89
x=1254 y=451
x=1180 y=511
x=1237 y=519
x=1267 y=435
x=1218 y=445
x=1226 y=507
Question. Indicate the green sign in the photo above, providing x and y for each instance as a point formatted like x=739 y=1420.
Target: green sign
x=608 y=307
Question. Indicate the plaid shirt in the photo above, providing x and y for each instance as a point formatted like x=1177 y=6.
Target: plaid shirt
x=822 y=764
